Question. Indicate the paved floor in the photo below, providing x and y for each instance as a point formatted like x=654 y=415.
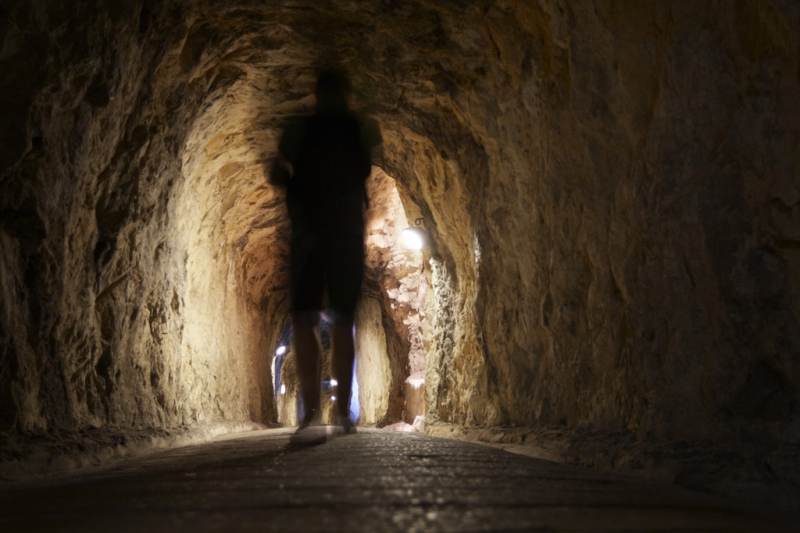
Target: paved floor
x=371 y=481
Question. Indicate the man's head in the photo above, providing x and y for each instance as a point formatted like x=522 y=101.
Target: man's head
x=333 y=88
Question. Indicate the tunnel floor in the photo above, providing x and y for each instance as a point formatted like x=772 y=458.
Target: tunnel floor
x=371 y=481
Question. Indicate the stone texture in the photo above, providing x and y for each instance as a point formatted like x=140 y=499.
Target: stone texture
x=373 y=368
x=604 y=252
x=415 y=397
x=610 y=190
x=377 y=481
x=765 y=476
x=391 y=315
x=396 y=268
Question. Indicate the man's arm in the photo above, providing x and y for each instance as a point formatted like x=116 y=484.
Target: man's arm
x=282 y=169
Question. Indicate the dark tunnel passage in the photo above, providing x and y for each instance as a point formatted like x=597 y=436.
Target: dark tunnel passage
x=610 y=196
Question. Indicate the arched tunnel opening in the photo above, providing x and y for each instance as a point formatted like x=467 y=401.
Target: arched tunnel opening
x=609 y=194
x=236 y=237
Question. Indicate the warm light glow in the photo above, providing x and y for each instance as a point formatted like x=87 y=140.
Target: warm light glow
x=333 y=398
x=334 y=383
x=416 y=383
x=414 y=238
x=283 y=388
x=281 y=350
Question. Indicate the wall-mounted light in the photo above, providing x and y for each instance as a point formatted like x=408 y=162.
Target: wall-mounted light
x=283 y=388
x=281 y=350
x=415 y=237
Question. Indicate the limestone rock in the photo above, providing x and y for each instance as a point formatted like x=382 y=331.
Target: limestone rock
x=373 y=368
x=415 y=397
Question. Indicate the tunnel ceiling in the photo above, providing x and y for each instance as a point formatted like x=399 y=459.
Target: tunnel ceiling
x=610 y=192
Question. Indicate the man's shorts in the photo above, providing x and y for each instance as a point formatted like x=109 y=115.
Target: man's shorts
x=329 y=261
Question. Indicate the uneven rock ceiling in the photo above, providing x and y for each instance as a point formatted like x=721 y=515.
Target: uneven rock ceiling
x=610 y=191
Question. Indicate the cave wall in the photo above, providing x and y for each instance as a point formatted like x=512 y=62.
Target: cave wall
x=127 y=298
x=614 y=196
x=391 y=317
x=373 y=367
x=610 y=190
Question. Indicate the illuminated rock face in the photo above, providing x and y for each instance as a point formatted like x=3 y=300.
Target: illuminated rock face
x=611 y=195
x=373 y=365
x=391 y=314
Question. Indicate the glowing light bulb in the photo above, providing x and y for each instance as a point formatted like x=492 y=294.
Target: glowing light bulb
x=414 y=238
x=334 y=383
x=281 y=350
x=283 y=388
x=333 y=398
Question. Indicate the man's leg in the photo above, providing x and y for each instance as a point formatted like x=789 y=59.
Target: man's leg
x=344 y=275
x=307 y=352
x=343 y=356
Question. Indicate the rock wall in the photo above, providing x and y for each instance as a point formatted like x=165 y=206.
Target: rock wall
x=615 y=205
x=373 y=367
x=391 y=316
x=610 y=190
x=396 y=268
x=128 y=290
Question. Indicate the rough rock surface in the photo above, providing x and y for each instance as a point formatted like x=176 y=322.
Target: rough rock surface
x=373 y=367
x=415 y=398
x=373 y=481
x=396 y=268
x=391 y=315
x=610 y=190
x=767 y=476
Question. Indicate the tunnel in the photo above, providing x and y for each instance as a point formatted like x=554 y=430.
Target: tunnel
x=609 y=193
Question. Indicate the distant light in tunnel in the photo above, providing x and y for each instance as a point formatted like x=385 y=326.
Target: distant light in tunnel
x=281 y=350
x=476 y=246
x=414 y=238
x=333 y=398
x=334 y=383
x=416 y=382
x=283 y=388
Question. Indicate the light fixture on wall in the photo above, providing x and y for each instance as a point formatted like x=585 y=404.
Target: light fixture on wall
x=415 y=237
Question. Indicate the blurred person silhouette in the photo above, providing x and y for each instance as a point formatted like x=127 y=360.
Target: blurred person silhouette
x=324 y=161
